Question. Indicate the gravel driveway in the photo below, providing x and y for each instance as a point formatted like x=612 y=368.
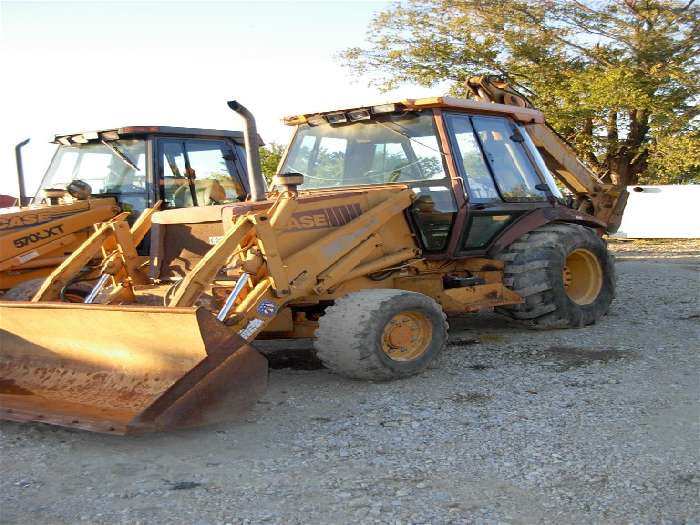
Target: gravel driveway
x=600 y=424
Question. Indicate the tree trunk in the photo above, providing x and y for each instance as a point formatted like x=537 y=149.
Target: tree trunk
x=628 y=159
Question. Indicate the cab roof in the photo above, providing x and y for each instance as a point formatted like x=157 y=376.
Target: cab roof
x=524 y=115
x=139 y=131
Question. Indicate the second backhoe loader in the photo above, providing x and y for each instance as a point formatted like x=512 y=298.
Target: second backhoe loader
x=96 y=175
x=383 y=219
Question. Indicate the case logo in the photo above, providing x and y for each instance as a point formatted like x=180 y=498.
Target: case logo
x=324 y=217
x=23 y=220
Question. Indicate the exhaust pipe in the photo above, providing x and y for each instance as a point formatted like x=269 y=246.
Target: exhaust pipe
x=23 y=200
x=255 y=177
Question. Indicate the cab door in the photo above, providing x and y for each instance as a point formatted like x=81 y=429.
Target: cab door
x=198 y=172
x=500 y=179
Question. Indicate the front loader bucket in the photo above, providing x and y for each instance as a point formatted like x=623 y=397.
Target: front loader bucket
x=123 y=369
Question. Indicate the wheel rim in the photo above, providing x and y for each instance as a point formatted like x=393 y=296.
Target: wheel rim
x=407 y=336
x=582 y=276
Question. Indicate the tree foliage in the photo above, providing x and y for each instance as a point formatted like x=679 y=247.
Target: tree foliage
x=619 y=79
x=270 y=155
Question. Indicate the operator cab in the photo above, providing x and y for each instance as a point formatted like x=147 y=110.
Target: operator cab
x=139 y=165
x=472 y=165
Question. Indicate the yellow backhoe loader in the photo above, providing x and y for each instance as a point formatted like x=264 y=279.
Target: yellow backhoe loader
x=382 y=220
x=95 y=175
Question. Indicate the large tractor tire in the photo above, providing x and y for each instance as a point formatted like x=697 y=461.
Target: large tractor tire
x=381 y=334
x=565 y=274
x=75 y=293
x=23 y=291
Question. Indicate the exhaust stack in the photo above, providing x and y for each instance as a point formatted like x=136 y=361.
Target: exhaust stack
x=255 y=177
x=23 y=200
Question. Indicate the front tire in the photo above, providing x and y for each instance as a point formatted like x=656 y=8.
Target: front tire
x=23 y=291
x=74 y=293
x=381 y=334
x=565 y=274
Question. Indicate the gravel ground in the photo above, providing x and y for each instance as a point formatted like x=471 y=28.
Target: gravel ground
x=597 y=425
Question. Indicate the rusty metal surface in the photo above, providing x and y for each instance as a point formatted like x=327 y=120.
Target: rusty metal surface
x=122 y=369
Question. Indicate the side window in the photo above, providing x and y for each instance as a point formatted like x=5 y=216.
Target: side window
x=483 y=228
x=199 y=172
x=514 y=173
x=479 y=181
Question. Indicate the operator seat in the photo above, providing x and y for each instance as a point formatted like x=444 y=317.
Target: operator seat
x=208 y=191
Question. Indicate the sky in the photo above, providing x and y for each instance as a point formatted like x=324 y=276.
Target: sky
x=78 y=66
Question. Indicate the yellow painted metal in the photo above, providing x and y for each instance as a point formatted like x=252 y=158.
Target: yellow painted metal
x=117 y=243
x=37 y=257
x=105 y=367
x=519 y=113
x=339 y=270
x=32 y=238
x=62 y=274
x=482 y=296
x=407 y=336
x=381 y=263
x=269 y=250
x=206 y=269
x=582 y=276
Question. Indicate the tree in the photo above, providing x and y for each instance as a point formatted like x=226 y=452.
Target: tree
x=270 y=155
x=619 y=79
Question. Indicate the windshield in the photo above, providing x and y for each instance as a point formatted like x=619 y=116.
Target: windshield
x=396 y=148
x=105 y=169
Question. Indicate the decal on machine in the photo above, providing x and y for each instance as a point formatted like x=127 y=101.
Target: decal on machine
x=324 y=217
x=251 y=328
x=21 y=242
x=28 y=256
x=267 y=308
x=31 y=219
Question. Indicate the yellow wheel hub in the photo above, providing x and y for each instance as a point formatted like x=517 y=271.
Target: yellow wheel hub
x=582 y=276
x=407 y=336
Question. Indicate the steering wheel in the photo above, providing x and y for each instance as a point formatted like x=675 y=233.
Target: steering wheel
x=395 y=175
x=179 y=193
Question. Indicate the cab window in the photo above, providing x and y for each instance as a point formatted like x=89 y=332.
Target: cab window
x=116 y=168
x=198 y=172
x=468 y=155
x=503 y=149
x=384 y=150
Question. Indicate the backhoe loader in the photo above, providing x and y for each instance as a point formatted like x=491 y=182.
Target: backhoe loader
x=382 y=220
x=95 y=175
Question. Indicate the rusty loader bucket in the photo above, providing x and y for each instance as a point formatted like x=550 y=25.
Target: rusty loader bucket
x=123 y=369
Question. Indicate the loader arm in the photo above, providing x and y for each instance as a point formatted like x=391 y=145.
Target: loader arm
x=604 y=201
x=116 y=241
x=313 y=270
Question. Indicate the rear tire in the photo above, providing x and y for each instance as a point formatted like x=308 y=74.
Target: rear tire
x=565 y=274
x=381 y=334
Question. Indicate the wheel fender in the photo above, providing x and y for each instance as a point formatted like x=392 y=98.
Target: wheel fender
x=540 y=217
